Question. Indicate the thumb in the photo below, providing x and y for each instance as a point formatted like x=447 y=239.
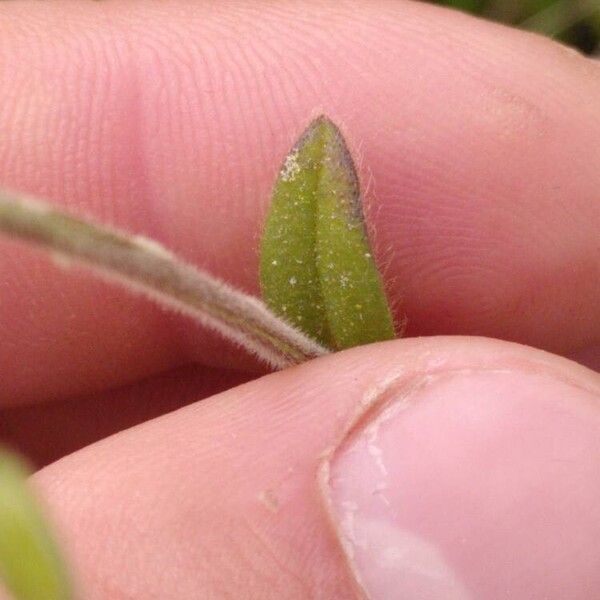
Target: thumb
x=450 y=468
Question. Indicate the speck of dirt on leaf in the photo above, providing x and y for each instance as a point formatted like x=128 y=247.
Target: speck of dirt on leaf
x=291 y=168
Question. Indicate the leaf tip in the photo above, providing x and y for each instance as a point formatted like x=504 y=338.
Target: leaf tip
x=325 y=127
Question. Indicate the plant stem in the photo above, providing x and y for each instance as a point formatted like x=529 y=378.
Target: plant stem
x=147 y=267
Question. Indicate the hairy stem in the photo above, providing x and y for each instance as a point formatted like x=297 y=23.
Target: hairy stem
x=147 y=267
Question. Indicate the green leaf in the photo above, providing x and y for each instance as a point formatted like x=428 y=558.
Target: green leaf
x=30 y=566
x=316 y=266
x=474 y=6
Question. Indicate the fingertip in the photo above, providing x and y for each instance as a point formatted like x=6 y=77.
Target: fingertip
x=462 y=486
x=171 y=121
x=225 y=497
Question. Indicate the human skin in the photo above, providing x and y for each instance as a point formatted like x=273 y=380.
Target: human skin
x=477 y=148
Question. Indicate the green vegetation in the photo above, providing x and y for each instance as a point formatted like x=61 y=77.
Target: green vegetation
x=30 y=564
x=575 y=22
x=316 y=267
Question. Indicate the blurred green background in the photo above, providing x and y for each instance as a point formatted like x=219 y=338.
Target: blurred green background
x=576 y=22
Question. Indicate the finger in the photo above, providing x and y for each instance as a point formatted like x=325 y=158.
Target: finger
x=475 y=145
x=45 y=433
x=451 y=468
